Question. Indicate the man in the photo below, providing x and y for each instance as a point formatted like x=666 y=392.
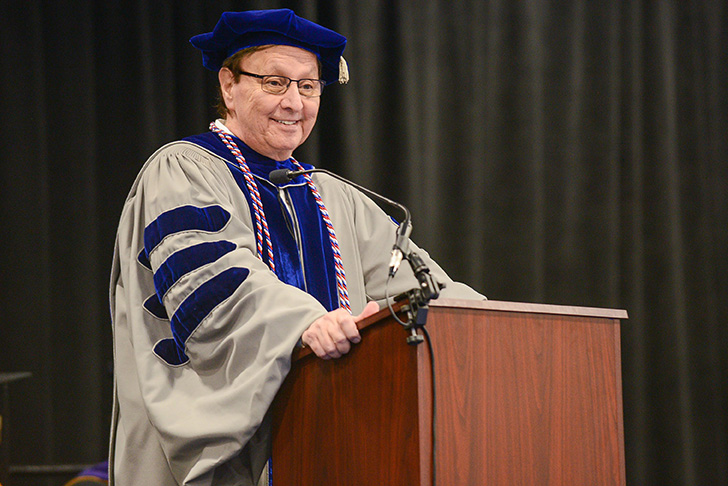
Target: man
x=219 y=272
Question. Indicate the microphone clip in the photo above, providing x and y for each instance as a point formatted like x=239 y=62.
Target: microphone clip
x=419 y=297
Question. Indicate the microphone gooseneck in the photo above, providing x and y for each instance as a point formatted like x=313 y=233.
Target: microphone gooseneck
x=281 y=176
x=429 y=288
x=401 y=244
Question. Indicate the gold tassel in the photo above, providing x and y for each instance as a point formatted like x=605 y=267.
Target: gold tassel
x=343 y=71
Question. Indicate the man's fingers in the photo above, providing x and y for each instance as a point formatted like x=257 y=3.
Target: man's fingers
x=325 y=337
x=323 y=348
x=331 y=335
x=348 y=328
x=370 y=309
x=349 y=325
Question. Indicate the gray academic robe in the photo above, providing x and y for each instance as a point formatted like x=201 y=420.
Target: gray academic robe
x=198 y=422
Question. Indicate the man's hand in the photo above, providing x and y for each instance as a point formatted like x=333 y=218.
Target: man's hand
x=331 y=335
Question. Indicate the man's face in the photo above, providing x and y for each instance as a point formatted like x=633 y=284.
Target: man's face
x=272 y=125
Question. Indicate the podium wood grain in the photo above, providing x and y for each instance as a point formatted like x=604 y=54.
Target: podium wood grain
x=526 y=394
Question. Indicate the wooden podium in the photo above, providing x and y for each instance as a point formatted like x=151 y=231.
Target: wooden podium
x=525 y=394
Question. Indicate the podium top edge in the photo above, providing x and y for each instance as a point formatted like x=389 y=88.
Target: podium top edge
x=563 y=310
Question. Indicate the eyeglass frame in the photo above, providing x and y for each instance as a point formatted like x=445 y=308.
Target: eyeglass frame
x=262 y=78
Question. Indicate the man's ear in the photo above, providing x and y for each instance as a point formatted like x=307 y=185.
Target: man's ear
x=227 y=79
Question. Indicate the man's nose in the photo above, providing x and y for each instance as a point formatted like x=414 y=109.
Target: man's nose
x=292 y=98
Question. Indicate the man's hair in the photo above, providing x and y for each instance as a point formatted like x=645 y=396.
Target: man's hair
x=233 y=63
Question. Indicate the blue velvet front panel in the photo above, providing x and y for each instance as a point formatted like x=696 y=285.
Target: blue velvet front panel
x=320 y=280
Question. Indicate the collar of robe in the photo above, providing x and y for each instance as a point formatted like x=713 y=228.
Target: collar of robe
x=276 y=243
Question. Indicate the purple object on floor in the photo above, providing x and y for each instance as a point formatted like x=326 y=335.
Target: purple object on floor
x=100 y=470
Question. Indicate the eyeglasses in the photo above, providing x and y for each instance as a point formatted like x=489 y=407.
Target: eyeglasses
x=273 y=84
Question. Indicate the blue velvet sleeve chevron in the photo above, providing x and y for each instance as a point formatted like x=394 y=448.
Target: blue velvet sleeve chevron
x=184 y=261
x=184 y=218
x=194 y=309
x=197 y=305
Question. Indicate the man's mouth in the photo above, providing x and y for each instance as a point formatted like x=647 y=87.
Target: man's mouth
x=286 y=122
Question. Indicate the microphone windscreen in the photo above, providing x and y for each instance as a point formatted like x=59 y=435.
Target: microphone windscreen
x=279 y=176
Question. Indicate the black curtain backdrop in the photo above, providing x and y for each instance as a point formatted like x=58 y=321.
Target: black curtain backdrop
x=566 y=152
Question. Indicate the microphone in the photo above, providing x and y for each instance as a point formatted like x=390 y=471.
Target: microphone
x=401 y=244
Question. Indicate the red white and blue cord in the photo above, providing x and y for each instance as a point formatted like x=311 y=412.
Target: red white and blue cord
x=338 y=263
x=262 y=233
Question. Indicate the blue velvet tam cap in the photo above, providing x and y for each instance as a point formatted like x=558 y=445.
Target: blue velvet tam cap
x=239 y=30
